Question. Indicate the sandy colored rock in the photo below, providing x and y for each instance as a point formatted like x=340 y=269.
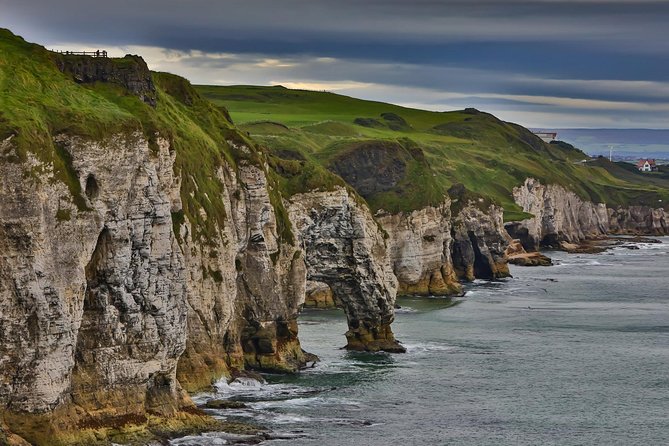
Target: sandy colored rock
x=419 y=246
x=530 y=259
x=515 y=247
x=319 y=295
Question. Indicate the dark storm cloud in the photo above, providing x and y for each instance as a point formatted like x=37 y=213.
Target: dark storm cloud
x=588 y=50
x=295 y=25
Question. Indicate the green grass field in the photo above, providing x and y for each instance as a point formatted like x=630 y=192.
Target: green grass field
x=488 y=156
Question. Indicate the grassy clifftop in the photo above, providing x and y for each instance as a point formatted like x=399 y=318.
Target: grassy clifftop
x=44 y=94
x=401 y=158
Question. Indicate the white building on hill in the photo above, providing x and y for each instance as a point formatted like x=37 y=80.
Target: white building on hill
x=546 y=136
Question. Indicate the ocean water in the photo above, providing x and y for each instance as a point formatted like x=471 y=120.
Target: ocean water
x=574 y=354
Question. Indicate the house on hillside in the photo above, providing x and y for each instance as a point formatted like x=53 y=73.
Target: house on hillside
x=546 y=136
x=646 y=165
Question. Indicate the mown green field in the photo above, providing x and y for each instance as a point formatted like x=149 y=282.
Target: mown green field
x=434 y=150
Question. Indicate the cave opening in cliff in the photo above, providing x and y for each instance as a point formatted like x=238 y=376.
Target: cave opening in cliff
x=482 y=268
x=92 y=188
x=90 y=336
x=518 y=231
x=550 y=241
x=95 y=269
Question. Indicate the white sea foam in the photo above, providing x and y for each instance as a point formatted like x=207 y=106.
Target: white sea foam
x=193 y=440
x=582 y=262
x=285 y=418
x=405 y=310
x=305 y=402
x=241 y=383
x=428 y=347
x=210 y=439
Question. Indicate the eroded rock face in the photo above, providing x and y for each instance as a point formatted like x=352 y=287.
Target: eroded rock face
x=131 y=72
x=245 y=288
x=516 y=255
x=419 y=245
x=345 y=249
x=373 y=167
x=560 y=215
x=479 y=243
x=92 y=297
x=106 y=296
x=638 y=220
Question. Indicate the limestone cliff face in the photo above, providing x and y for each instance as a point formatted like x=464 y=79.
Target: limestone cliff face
x=561 y=215
x=431 y=250
x=244 y=288
x=108 y=300
x=92 y=295
x=638 y=220
x=345 y=248
x=419 y=246
x=479 y=242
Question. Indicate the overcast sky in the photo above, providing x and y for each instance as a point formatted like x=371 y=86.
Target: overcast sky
x=542 y=63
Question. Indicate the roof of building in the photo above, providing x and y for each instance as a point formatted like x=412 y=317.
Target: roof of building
x=642 y=162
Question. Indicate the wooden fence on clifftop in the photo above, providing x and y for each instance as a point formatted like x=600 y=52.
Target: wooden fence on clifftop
x=98 y=53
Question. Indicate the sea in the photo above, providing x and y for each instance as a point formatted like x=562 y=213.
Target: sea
x=572 y=354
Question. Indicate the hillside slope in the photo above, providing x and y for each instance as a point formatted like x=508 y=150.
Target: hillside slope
x=401 y=159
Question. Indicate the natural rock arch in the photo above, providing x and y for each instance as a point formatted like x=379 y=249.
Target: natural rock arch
x=345 y=249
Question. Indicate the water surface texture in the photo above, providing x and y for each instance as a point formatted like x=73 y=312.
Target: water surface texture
x=574 y=354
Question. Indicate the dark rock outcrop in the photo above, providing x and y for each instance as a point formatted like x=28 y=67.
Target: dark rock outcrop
x=479 y=243
x=638 y=220
x=372 y=167
x=130 y=72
